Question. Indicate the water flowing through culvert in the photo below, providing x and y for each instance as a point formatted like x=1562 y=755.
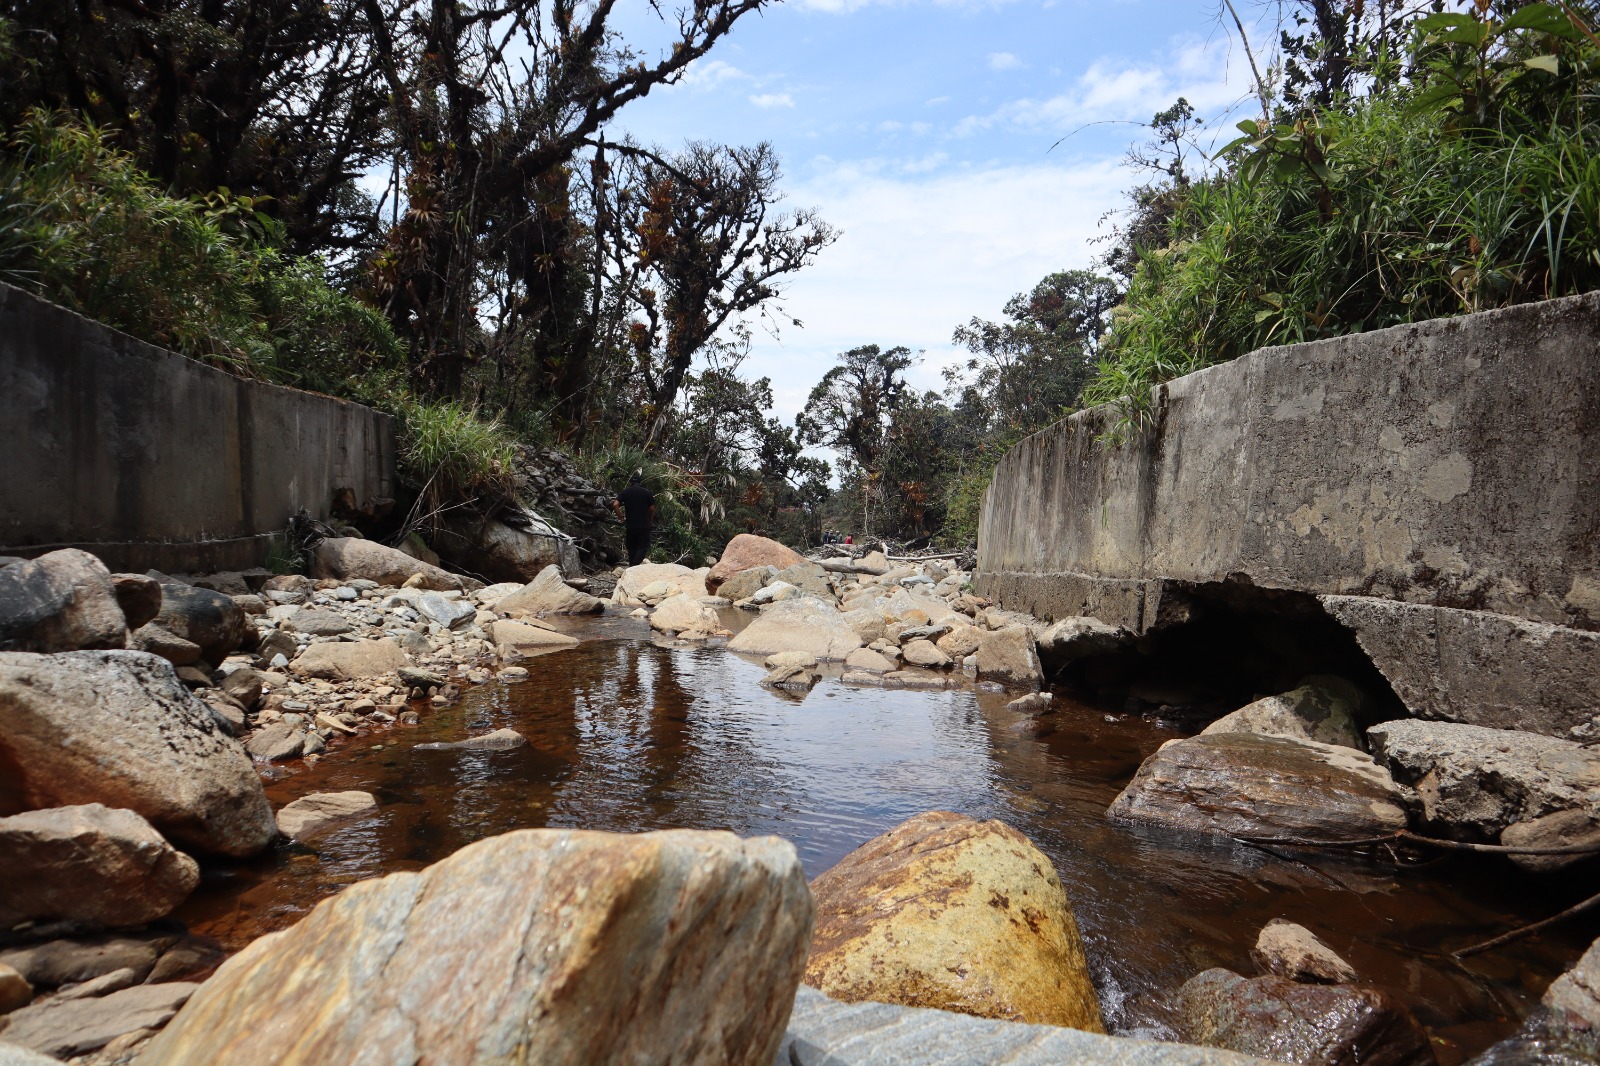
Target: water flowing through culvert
x=627 y=735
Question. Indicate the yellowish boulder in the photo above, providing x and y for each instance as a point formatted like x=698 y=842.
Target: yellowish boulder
x=948 y=912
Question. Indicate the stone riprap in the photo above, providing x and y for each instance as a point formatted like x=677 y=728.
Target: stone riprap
x=1451 y=464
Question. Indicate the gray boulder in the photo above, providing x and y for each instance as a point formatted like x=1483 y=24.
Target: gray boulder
x=549 y=594
x=499 y=740
x=809 y=578
x=1009 y=655
x=119 y=728
x=1243 y=784
x=62 y=601
x=276 y=741
x=452 y=614
x=515 y=550
x=747 y=583
x=64 y=1028
x=90 y=864
x=156 y=639
x=315 y=622
x=205 y=618
x=1323 y=708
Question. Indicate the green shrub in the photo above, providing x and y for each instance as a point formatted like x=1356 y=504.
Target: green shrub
x=450 y=453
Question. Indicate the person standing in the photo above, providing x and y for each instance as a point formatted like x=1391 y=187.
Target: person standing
x=636 y=506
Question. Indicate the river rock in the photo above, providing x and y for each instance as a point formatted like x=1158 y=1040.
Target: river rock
x=275 y=742
x=139 y=596
x=1034 y=704
x=315 y=622
x=118 y=728
x=245 y=685
x=499 y=740
x=1577 y=992
x=15 y=991
x=156 y=639
x=512 y=638
x=808 y=577
x=542 y=945
x=344 y=558
x=209 y=619
x=1009 y=656
x=53 y=963
x=1072 y=639
x=62 y=601
x=747 y=551
x=747 y=583
x=635 y=579
x=684 y=614
x=346 y=660
x=804 y=625
x=1244 y=784
x=1563 y=829
x=89 y=863
x=961 y=641
x=549 y=594
x=452 y=614
x=924 y=653
x=793 y=677
x=1546 y=1038
x=1295 y=952
x=945 y=911
x=1301 y=1024
x=501 y=551
x=320 y=811
x=1473 y=783
x=1322 y=708
x=865 y=659
x=774 y=591
x=66 y=1027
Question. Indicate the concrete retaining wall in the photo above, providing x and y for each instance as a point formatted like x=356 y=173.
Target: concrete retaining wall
x=1453 y=464
x=149 y=459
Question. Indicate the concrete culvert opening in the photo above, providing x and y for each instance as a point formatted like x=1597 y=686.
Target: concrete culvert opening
x=1238 y=643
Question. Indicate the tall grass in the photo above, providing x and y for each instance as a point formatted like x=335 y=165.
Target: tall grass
x=451 y=453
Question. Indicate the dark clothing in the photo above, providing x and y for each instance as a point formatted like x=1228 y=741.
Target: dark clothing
x=638 y=545
x=636 y=501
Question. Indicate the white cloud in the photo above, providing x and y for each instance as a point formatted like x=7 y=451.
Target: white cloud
x=772 y=100
x=1003 y=61
x=711 y=73
x=924 y=247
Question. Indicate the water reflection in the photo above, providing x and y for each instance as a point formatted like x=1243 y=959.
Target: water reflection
x=629 y=735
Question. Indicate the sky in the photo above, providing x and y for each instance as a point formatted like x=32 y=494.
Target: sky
x=926 y=132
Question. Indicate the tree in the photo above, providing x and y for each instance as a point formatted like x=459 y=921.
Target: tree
x=851 y=409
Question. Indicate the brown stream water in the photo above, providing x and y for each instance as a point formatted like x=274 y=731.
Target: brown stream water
x=628 y=735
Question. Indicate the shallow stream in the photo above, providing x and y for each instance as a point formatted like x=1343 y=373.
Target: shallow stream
x=627 y=734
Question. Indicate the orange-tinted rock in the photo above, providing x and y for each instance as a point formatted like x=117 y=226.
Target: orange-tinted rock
x=945 y=911
x=747 y=551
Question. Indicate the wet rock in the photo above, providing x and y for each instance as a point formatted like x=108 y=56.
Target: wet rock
x=521 y=638
x=684 y=614
x=865 y=659
x=1474 y=782
x=1033 y=704
x=949 y=912
x=961 y=641
x=804 y=625
x=321 y=811
x=499 y=740
x=1563 y=829
x=62 y=601
x=1546 y=1038
x=66 y=1027
x=1243 y=784
x=54 y=963
x=1577 y=992
x=1322 y=708
x=526 y=947
x=15 y=991
x=747 y=551
x=913 y=679
x=276 y=741
x=635 y=579
x=1072 y=639
x=513 y=674
x=747 y=583
x=452 y=614
x=244 y=685
x=789 y=658
x=795 y=678
x=349 y=660
x=117 y=727
x=158 y=640
x=317 y=623
x=139 y=597
x=343 y=558
x=209 y=619
x=549 y=594
x=92 y=864
x=1295 y=952
x=1008 y=655
x=923 y=653
x=1301 y=1024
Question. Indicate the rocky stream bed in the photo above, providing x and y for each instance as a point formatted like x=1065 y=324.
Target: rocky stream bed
x=424 y=819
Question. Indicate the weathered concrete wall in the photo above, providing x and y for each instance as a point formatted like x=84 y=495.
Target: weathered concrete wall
x=149 y=459
x=1452 y=464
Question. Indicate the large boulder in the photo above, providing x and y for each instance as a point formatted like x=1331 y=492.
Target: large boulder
x=1242 y=784
x=549 y=594
x=119 y=728
x=519 y=638
x=347 y=660
x=139 y=596
x=684 y=613
x=747 y=551
x=804 y=624
x=1009 y=656
x=747 y=583
x=636 y=579
x=1072 y=639
x=945 y=911
x=90 y=864
x=1322 y=708
x=1481 y=784
x=808 y=577
x=209 y=620
x=515 y=550
x=349 y=558
x=62 y=601
x=542 y=945
x=1301 y=1024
